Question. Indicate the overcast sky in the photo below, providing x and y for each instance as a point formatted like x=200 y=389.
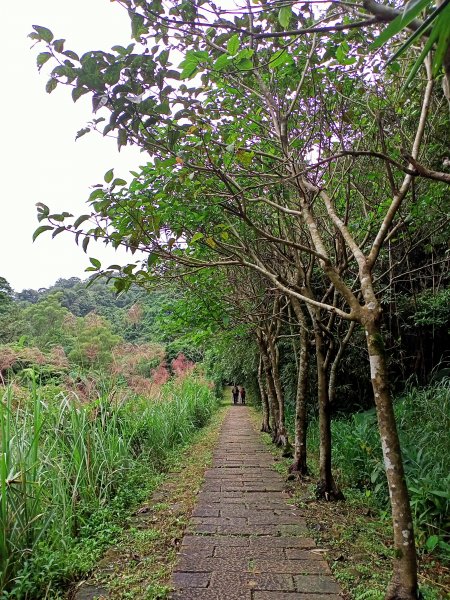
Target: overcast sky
x=40 y=160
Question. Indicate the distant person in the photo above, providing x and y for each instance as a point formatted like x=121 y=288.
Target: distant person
x=242 y=394
x=235 y=394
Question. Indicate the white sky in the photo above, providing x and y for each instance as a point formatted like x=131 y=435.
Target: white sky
x=40 y=160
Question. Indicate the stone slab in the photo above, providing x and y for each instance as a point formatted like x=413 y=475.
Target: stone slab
x=244 y=540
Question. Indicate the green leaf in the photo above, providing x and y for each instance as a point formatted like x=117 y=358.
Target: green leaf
x=51 y=85
x=427 y=24
x=279 y=58
x=197 y=236
x=95 y=262
x=81 y=219
x=120 y=285
x=109 y=176
x=284 y=16
x=412 y=9
x=58 y=230
x=233 y=44
x=245 y=157
x=40 y=230
x=221 y=63
x=58 y=45
x=245 y=64
x=42 y=58
x=137 y=26
x=44 y=33
x=119 y=181
x=419 y=60
x=171 y=74
x=394 y=67
x=120 y=50
x=82 y=132
x=78 y=92
x=443 y=26
x=121 y=138
x=43 y=211
x=189 y=67
x=72 y=55
x=112 y=74
x=164 y=57
x=152 y=259
x=173 y=136
x=441 y=493
x=96 y=194
x=163 y=108
x=128 y=270
x=432 y=542
x=85 y=243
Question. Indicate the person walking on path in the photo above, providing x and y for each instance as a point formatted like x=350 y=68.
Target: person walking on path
x=235 y=394
x=242 y=394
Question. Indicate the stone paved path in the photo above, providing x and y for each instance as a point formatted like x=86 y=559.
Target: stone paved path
x=244 y=542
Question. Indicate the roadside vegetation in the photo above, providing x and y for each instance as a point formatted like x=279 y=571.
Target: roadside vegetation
x=357 y=531
x=71 y=472
x=355 y=534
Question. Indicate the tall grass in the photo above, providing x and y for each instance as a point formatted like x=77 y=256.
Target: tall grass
x=63 y=466
x=423 y=419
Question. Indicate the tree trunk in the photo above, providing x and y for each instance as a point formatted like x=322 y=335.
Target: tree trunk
x=403 y=584
x=271 y=392
x=326 y=486
x=265 y=425
x=273 y=404
x=282 y=436
x=336 y=362
x=299 y=465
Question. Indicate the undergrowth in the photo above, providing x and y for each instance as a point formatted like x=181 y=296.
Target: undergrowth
x=423 y=420
x=356 y=535
x=69 y=473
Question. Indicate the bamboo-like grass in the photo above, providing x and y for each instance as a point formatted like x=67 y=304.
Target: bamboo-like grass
x=61 y=460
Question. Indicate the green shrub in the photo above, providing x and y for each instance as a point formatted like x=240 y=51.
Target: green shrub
x=423 y=420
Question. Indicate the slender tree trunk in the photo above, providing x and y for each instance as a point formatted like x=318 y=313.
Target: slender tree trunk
x=271 y=392
x=299 y=465
x=282 y=436
x=403 y=585
x=265 y=425
x=336 y=362
x=326 y=486
x=273 y=404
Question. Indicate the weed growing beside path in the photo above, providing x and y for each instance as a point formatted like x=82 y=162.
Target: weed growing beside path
x=69 y=474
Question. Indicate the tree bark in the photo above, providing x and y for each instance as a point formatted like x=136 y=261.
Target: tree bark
x=403 y=585
x=265 y=425
x=282 y=436
x=271 y=392
x=299 y=464
x=326 y=486
x=336 y=362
